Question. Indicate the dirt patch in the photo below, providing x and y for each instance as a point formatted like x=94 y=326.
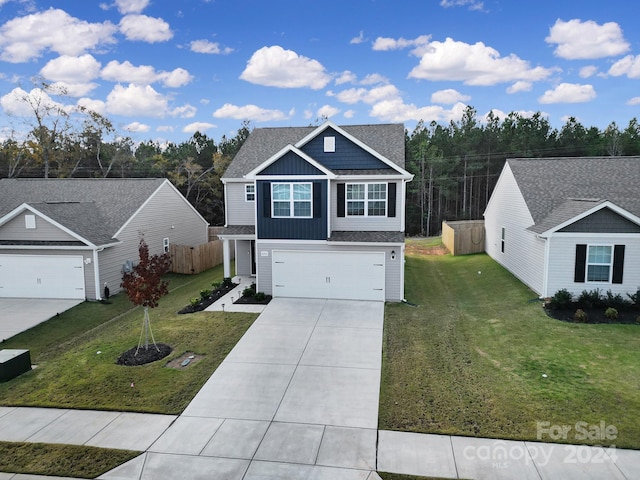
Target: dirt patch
x=180 y=363
x=418 y=249
x=141 y=356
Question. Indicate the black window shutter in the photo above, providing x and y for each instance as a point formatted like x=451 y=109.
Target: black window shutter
x=317 y=199
x=341 y=200
x=391 y=200
x=618 y=263
x=581 y=263
x=266 y=199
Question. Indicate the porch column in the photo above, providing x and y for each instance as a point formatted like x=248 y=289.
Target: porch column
x=226 y=260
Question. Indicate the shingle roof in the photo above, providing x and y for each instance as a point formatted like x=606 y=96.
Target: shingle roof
x=263 y=143
x=366 y=237
x=92 y=208
x=558 y=189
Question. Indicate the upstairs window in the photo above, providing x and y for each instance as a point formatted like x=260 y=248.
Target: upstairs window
x=29 y=221
x=291 y=200
x=329 y=144
x=249 y=193
x=366 y=199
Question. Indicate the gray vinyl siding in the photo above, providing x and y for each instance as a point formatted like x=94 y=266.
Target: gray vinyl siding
x=562 y=254
x=393 y=268
x=87 y=255
x=369 y=224
x=239 y=211
x=524 y=253
x=15 y=229
x=604 y=220
x=164 y=210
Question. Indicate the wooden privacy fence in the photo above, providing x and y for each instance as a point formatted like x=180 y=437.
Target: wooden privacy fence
x=463 y=237
x=192 y=260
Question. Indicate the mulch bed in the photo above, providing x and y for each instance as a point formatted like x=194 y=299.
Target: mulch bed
x=205 y=302
x=144 y=356
x=594 y=315
x=251 y=300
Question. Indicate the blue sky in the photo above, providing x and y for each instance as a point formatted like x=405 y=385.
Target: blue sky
x=162 y=69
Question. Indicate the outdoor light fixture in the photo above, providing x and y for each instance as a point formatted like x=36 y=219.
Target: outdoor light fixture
x=393 y=254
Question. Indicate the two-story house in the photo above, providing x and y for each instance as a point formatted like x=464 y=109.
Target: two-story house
x=319 y=212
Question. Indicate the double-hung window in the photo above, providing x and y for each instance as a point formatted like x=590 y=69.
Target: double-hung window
x=249 y=193
x=599 y=263
x=291 y=200
x=366 y=199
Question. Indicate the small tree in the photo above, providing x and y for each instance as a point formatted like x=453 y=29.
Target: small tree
x=145 y=287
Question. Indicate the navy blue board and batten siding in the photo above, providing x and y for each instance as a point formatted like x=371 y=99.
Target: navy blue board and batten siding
x=292 y=228
x=347 y=155
x=290 y=164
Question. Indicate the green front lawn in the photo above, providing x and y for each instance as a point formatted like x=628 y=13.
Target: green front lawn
x=76 y=353
x=479 y=357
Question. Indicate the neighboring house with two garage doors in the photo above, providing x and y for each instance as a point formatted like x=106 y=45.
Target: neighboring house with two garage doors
x=319 y=212
x=568 y=223
x=67 y=238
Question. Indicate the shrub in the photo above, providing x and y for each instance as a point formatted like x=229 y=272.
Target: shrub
x=227 y=282
x=580 y=316
x=611 y=313
x=205 y=293
x=635 y=297
x=194 y=301
x=216 y=285
x=260 y=296
x=249 y=292
x=561 y=299
x=616 y=301
x=591 y=298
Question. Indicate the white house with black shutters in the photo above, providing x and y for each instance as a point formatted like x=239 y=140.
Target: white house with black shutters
x=319 y=212
x=569 y=223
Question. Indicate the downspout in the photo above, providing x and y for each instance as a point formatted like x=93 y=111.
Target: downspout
x=96 y=272
x=545 y=273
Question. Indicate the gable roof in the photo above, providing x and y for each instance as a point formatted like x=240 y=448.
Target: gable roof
x=264 y=143
x=95 y=209
x=559 y=189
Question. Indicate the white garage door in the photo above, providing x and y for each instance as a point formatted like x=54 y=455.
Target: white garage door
x=341 y=275
x=41 y=276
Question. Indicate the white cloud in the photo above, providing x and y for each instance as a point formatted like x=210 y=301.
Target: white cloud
x=277 y=67
x=358 y=39
x=629 y=66
x=75 y=89
x=137 y=127
x=398 y=111
x=370 y=96
x=473 y=4
x=374 y=78
x=136 y=100
x=70 y=69
x=327 y=111
x=205 y=46
x=346 y=77
x=94 y=105
x=131 y=6
x=165 y=128
x=349 y=113
x=126 y=72
x=448 y=96
x=475 y=64
x=26 y=38
x=520 y=86
x=248 y=112
x=386 y=43
x=588 y=71
x=569 y=93
x=23 y=104
x=146 y=29
x=185 y=111
x=634 y=101
x=198 y=127
x=583 y=40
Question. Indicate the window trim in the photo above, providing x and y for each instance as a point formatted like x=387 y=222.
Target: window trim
x=292 y=201
x=165 y=244
x=247 y=193
x=30 y=222
x=609 y=264
x=366 y=199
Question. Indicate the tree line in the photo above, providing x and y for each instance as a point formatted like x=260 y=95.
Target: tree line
x=456 y=166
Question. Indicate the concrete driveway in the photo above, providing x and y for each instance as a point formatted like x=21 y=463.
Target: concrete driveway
x=20 y=314
x=297 y=397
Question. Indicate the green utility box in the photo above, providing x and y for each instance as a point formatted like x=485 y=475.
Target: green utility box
x=13 y=362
